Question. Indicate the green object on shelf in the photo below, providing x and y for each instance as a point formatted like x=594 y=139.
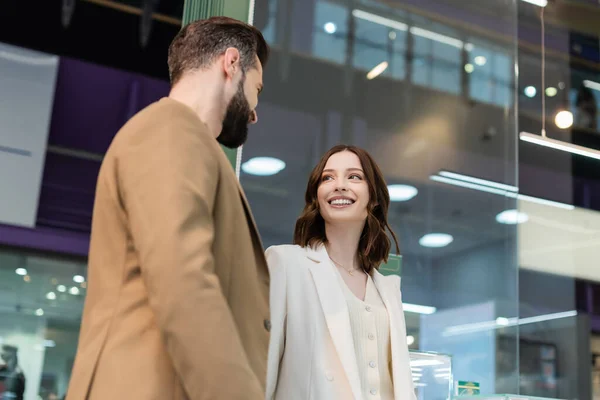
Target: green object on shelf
x=194 y=10
x=467 y=388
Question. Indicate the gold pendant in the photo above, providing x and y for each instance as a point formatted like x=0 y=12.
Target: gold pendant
x=351 y=273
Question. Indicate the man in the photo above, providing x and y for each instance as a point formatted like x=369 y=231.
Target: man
x=177 y=304
x=12 y=379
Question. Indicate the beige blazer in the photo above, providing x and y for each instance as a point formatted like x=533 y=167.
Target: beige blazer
x=177 y=303
x=311 y=354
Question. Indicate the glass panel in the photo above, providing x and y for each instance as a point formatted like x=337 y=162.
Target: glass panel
x=41 y=302
x=430 y=125
x=432 y=375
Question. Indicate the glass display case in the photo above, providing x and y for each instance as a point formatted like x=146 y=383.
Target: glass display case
x=432 y=375
x=502 y=397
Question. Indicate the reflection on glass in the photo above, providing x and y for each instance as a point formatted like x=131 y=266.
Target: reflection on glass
x=445 y=139
x=432 y=375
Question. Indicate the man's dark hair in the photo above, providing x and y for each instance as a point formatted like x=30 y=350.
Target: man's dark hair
x=198 y=44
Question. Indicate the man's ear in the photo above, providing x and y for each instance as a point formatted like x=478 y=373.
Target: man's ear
x=231 y=62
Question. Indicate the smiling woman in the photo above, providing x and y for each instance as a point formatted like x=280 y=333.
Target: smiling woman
x=341 y=241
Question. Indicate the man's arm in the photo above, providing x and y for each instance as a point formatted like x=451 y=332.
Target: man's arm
x=169 y=188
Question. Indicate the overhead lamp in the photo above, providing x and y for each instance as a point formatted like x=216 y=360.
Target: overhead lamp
x=263 y=166
x=480 y=60
x=377 y=70
x=378 y=19
x=330 y=28
x=74 y=291
x=39 y=312
x=564 y=119
x=78 y=279
x=410 y=340
x=436 y=240
x=530 y=91
x=479 y=181
x=61 y=288
x=51 y=296
x=498 y=188
x=559 y=145
x=440 y=38
x=418 y=309
x=551 y=91
x=21 y=271
x=503 y=322
x=402 y=192
x=469 y=68
x=390 y=23
x=591 y=85
x=539 y=3
x=512 y=217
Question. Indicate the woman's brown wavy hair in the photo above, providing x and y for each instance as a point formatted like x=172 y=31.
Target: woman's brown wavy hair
x=374 y=245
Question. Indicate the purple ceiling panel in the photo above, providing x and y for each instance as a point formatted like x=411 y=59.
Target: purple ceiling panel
x=92 y=102
x=67 y=195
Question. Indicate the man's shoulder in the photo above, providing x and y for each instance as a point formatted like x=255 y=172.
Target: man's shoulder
x=164 y=124
x=167 y=114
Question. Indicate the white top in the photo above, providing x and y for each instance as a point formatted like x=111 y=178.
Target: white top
x=370 y=327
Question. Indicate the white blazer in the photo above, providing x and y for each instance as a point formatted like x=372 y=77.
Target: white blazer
x=311 y=353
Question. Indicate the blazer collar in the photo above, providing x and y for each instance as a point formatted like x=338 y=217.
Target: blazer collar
x=335 y=309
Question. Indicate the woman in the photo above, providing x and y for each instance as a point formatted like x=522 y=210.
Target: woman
x=338 y=329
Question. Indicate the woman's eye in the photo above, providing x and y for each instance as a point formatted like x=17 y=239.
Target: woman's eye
x=356 y=177
x=326 y=178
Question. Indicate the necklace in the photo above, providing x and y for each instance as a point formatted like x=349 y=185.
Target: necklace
x=349 y=271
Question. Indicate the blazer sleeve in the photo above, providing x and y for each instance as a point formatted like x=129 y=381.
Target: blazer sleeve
x=168 y=182
x=278 y=302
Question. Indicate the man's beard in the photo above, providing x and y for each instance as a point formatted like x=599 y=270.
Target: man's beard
x=235 y=125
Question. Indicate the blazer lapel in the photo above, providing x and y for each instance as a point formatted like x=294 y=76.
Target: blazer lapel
x=336 y=313
x=389 y=290
x=249 y=214
x=247 y=209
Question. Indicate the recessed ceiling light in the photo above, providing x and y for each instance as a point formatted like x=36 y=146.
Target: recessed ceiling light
x=469 y=68
x=39 y=312
x=263 y=166
x=551 y=91
x=402 y=192
x=51 y=296
x=330 y=28
x=61 y=288
x=480 y=60
x=530 y=91
x=564 y=119
x=410 y=340
x=21 y=271
x=512 y=217
x=78 y=279
x=74 y=291
x=436 y=240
